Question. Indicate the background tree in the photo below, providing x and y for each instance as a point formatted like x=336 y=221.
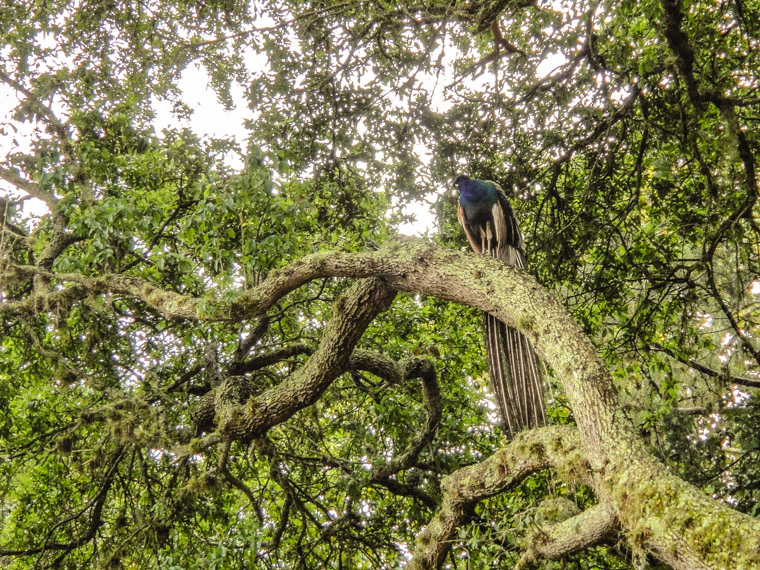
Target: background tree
x=179 y=391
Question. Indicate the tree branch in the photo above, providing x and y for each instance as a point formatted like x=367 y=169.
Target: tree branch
x=414 y=368
x=690 y=362
x=57 y=127
x=679 y=44
x=423 y=369
x=577 y=533
x=31 y=188
x=265 y=359
x=246 y=344
x=231 y=479
x=355 y=310
x=529 y=452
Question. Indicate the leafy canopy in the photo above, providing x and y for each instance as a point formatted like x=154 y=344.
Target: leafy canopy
x=625 y=133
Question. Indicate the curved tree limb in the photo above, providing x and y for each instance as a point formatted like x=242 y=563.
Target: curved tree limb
x=31 y=188
x=528 y=453
x=423 y=369
x=577 y=533
x=227 y=398
x=354 y=312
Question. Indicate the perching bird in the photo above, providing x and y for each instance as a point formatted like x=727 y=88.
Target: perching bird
x=491 y=228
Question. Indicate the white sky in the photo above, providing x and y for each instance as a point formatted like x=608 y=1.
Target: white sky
x=209 y=117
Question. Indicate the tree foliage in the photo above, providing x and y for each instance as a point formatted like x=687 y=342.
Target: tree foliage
x=165 y=404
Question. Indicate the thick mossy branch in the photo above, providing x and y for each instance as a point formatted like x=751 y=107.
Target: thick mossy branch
x=225 y=402
x=78 y=286
x=556 y=446
x=554 y=541
x=530 y=452
x=354 y=311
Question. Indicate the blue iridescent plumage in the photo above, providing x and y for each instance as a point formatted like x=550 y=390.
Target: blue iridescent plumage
x=491 y=228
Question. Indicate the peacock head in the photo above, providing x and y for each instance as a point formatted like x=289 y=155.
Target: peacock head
x=459 y=179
